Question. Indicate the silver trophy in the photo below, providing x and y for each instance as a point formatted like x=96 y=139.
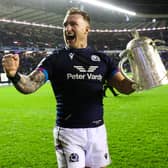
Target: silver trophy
x=147 y=68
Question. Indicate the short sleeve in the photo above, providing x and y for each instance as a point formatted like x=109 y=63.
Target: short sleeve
x=112 y=68
x=45 y=67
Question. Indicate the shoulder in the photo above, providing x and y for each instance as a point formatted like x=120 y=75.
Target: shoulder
x=55 y=54
x=58 y=51
x=50 y=58
x=103 y=56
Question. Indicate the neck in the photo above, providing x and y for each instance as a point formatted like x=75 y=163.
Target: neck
x=82 y=45
x=78 y=46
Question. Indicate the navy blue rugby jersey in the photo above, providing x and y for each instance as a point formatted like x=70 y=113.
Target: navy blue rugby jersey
x=77 y=77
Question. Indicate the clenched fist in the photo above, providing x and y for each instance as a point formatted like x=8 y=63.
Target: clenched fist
x=10 y=63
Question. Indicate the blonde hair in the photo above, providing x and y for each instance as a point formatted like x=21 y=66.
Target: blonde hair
x=85 y=15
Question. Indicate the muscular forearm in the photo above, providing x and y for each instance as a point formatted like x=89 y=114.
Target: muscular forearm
x=122 y=84
x=29 y=84
x=125 y=86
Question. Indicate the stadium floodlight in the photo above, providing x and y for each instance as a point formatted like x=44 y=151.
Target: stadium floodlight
x=109 y=6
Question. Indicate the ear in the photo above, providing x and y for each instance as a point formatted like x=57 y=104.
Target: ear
x=87 y=29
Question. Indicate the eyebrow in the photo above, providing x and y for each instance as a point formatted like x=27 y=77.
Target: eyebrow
x=71 y=23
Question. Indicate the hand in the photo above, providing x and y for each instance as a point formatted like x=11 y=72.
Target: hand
x=10 y=63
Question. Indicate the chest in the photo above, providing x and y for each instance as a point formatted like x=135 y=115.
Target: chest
x=71 y=67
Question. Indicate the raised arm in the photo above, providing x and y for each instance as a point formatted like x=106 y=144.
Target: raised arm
x=24 y=83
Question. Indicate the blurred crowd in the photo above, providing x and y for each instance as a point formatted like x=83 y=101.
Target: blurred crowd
x=41 y=38
x=28 y=37
x=32 y=43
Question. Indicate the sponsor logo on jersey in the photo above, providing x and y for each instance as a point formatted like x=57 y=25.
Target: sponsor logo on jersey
x=84 y=74
x=82 y=69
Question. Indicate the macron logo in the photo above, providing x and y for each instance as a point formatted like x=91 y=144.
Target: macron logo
x=82 y=69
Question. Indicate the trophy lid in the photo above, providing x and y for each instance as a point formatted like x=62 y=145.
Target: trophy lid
x=138 y=41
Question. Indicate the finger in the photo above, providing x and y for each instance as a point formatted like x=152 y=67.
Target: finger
x=7 y=58
x=7 y=61
x=8 y=55
x=15 y=56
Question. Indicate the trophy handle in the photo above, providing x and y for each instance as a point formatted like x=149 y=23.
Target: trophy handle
x=124 y=57
x=160 y=47
x=159 y=41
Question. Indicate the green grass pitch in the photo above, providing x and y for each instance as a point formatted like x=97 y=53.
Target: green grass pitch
x=137 y=127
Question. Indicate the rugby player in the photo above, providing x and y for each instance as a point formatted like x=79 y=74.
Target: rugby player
x=77 y=74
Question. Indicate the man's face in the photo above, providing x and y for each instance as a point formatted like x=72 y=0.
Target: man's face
x=75 y=31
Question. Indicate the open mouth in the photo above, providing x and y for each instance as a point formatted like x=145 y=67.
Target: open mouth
x=70 y=36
